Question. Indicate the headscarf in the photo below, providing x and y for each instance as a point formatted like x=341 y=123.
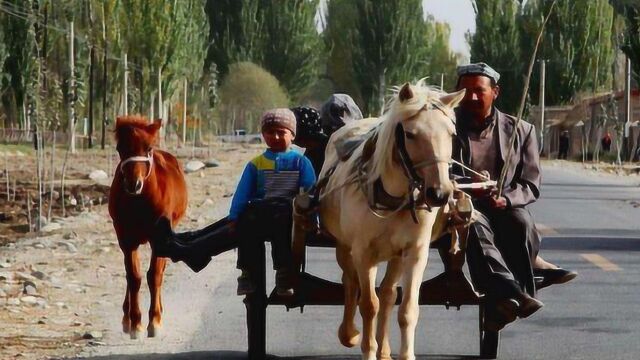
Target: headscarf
x=308 y=122
x=339 y=110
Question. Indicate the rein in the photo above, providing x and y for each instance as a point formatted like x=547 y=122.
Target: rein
x=148 y=158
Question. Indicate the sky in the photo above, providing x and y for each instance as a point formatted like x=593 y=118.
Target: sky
x=459 y=14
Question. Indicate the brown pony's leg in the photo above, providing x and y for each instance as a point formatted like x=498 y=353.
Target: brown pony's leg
x=134 y=279
x=388 y=295
x=154 y=280
x=348 y=335
x=126 y=322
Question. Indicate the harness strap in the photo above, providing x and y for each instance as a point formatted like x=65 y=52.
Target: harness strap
x=148 y=158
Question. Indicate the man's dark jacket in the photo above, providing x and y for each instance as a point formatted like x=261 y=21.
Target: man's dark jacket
x=522 y=185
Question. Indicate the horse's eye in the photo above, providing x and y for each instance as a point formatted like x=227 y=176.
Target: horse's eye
x=409 y=135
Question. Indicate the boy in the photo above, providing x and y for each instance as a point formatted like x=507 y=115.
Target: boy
x=261 y=209
x=264 y=194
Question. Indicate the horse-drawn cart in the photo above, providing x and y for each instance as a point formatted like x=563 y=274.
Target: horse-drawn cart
x=451 y=289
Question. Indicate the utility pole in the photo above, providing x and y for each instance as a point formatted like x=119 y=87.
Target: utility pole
x=542 y=105
x=627 y=106
x=72 y=94
x=184 y=115
x=126 y=78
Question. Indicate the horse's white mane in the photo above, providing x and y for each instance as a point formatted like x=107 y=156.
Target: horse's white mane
x=397 y=111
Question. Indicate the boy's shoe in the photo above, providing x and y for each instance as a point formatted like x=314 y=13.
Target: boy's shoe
x=245 y=285
x=283 y=284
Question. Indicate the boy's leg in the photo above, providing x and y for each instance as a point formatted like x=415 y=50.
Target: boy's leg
x=250 y=231
x=280 y=226
x=280 y=234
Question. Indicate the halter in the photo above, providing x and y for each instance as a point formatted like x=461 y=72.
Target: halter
x=416 y=182
x=148 y=158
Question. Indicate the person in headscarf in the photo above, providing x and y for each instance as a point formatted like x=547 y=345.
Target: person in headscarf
x=310 y=135
x=337 y=111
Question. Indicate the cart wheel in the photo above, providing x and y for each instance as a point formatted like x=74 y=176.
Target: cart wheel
x=489 y=340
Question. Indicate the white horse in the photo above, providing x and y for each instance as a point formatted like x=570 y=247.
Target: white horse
x=410 y=164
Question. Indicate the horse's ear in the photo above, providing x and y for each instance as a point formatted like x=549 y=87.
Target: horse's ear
x=452 y=100
x=154 y=126
x=405 y=92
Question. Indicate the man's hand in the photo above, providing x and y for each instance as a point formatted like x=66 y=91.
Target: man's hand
x=498 y=202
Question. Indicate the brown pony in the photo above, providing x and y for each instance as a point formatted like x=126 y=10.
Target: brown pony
x=148 y=183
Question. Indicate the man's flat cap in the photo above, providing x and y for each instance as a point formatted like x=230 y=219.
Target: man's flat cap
x=479 y=69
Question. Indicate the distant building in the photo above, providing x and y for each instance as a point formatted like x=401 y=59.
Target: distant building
x=578 y=119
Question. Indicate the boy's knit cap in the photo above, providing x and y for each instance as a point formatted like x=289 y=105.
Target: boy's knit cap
x=281 y=117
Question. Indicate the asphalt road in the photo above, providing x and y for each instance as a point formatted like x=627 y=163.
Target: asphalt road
x=590 y=225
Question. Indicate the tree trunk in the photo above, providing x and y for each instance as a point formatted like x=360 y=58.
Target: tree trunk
x=104 y=81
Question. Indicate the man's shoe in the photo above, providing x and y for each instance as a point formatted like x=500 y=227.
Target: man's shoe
x=528 y=306
x=245 y=286
x=283 y=283
x=547 y=277
x=507 y=309
x=500 y=314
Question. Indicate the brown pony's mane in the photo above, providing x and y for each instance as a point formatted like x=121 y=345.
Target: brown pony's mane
x=130 y=122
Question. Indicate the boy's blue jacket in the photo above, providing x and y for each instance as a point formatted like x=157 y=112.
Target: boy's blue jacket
x=272 y=174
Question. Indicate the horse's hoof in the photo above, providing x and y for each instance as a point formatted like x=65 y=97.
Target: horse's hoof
x=407 y=357
x=134 y=334
x=153 y=331
x=126 y=327
x=348 y=338
x=384 y=357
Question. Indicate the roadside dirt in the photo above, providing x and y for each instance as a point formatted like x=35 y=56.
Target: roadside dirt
x=56 y=284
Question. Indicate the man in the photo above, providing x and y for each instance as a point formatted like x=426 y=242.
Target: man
x=564 y=145
x=503 y=243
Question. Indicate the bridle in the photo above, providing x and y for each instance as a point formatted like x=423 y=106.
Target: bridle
x=148 y=158
x=416 y=182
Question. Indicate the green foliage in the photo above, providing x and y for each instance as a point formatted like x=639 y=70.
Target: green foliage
x=279 y=35
x=630 y=44
x=388 y=47
x=577 y=43
x=374 y=45
x=291 y=43
x=497 y=43
x=246 y=92
x=18 y=39
x=438 y=57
